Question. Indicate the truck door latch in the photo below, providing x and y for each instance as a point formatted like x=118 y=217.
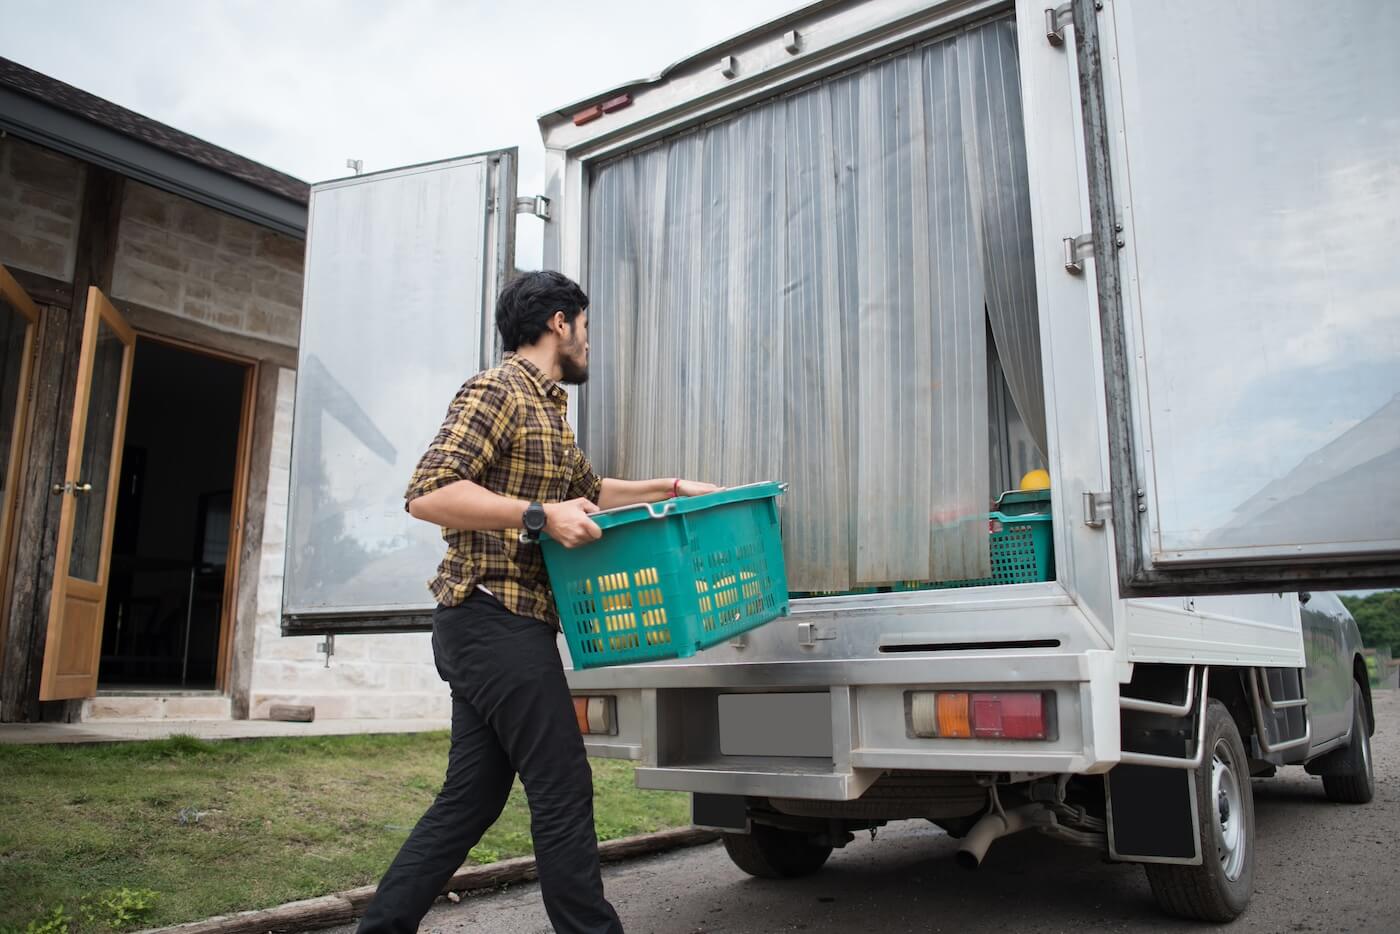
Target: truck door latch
x=809 y=634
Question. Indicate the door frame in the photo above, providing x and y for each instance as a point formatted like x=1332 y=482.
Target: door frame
x=15 y=294
x=228 y=613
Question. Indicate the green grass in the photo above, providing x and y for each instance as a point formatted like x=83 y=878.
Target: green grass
x=130 y=835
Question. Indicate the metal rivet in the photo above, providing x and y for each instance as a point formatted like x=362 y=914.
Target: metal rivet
x=1142 y=507
x=1098 y=6
x=1120 y=243
x=1141 y=493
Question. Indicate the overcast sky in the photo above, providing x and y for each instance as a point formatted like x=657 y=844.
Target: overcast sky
x=302 y=85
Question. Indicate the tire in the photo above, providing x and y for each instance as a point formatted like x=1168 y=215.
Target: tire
x=1357 y=784
x=1219 y=888
x=774 y=853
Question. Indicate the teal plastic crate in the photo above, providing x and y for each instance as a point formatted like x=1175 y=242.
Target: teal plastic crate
x=1023 y=502
x=1023 y=551
x=669 y=579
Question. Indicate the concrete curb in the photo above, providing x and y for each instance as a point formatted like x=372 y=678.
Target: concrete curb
x=344 y=907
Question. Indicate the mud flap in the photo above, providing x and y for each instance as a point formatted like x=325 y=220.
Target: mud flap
x=1152 y=815
x=720 y=812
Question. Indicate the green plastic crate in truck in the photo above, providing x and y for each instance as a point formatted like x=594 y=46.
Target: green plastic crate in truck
x=1023 y=551
x=669 y=579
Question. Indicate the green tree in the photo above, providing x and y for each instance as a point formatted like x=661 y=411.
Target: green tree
x=1378 y=618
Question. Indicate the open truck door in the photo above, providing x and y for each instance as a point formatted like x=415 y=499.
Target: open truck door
x=402 y=271
x=1249 y=300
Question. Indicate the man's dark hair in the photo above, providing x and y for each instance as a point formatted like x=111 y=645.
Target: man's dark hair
x=528 y=302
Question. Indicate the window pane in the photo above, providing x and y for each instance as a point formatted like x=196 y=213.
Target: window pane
x=95 y=469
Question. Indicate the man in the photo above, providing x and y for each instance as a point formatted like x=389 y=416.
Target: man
x=505 y=461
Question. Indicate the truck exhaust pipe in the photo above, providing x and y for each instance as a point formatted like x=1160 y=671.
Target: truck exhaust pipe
x=993 y=826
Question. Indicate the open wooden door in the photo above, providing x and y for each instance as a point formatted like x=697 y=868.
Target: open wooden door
x=89 y=493
x=19 y=317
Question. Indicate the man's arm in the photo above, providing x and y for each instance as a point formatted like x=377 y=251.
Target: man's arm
x=444 y=491
x=471 y=507
x=630 y=492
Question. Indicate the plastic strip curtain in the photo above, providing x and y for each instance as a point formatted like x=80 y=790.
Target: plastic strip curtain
x=798 y=292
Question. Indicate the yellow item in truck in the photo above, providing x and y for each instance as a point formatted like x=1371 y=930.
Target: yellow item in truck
x=1036 y=480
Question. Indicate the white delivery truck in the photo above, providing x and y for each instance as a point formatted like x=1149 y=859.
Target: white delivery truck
x=899 y=253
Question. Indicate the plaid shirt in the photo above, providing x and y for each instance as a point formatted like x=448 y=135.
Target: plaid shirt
x=506 y=431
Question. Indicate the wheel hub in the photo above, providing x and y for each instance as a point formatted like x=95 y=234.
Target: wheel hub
x=1231 y=841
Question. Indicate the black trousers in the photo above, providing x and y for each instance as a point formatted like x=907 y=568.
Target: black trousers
x=511 y=712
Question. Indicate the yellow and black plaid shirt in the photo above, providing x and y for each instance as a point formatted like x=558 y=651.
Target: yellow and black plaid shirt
x=506 y=431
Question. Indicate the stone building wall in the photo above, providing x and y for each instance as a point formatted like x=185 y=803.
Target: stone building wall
x=41 y=195
x=180 y=257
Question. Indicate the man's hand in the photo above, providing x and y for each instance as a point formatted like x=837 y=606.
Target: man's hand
x=695 y=488
x=569 y=525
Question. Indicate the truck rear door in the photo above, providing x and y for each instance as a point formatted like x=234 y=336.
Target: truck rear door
x=402 y=269
x=1244 y=191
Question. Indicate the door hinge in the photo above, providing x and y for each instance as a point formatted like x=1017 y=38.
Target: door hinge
x=1055 y=22
x=1076 y=248
x=534 y=205
x=1097 y=508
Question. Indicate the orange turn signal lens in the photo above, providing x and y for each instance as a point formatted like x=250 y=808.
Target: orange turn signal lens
x=594 y=715
x=954 y=715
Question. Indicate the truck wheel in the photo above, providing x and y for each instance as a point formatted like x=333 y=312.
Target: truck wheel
x=1219 y=888
x=1358 y=785
x=774 y=853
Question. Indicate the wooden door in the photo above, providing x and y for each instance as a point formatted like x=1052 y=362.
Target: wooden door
x=19 y=317
x=89 y=492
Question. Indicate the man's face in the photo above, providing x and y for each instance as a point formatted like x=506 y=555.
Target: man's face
x=573 y=352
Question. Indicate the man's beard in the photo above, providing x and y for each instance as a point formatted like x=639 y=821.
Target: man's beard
x=572 y=372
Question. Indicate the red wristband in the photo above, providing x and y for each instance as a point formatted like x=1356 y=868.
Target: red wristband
x=676 y=489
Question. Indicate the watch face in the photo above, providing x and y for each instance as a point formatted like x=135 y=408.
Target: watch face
x=535 y=519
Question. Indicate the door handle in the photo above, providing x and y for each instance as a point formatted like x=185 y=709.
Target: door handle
x=83 y=488
x=58 y=489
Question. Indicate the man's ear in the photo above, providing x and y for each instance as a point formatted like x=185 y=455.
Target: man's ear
x=559 y=324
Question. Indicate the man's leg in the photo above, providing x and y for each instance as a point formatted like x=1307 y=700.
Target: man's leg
x=529 y=707
x=479 y=777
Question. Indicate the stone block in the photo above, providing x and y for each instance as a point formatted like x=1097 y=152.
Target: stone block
x=35 y=254
x=122 y=708
x=198 y=222
x=198 y=708
x=49 y=203
x=199 y=291
x=45 y=170
x=233 y=278
x=141 y=248
x=228 y=318
x=147 y=285
x=276 y=293
x=285 y=330
x=237 y=237
x=280 y=249
x=144 y=203
x=60 y=229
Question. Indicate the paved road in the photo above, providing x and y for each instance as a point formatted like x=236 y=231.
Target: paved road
x=1321 y=867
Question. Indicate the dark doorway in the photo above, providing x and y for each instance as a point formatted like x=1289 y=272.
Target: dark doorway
x=170 y=547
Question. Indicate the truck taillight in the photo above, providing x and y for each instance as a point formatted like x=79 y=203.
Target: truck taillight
x=980 y=714
x=594 y=715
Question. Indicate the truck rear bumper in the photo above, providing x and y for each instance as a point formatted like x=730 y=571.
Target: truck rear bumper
x=828 y=730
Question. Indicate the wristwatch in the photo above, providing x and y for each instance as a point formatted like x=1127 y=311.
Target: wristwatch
x=534 y=522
